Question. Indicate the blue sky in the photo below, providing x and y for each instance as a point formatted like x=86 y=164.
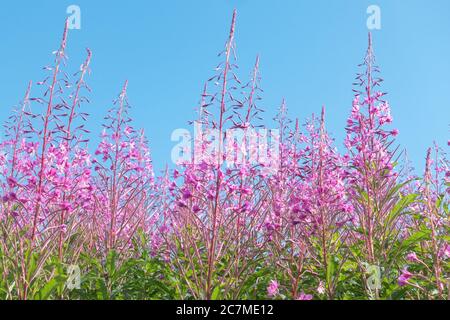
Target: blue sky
x=309 y=53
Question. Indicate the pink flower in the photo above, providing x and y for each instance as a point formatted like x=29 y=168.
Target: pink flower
x=321 y=288
x=304 y=296
x=66 y=206
x=272 y=288
x=12 y=196
x=412 y=257
x=12 y=182
x=187 y=194
x=63 y=228
x=444 y=253
x=404 y=277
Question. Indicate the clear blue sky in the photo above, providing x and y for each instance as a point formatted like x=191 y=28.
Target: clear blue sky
x=309 y=52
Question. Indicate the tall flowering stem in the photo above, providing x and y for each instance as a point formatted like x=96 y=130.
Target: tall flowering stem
x=427 y=264
x=76 y=178
x=212 y=248
x=220 y=207
x=125 y=181
x=379 y=196
x=46 y=135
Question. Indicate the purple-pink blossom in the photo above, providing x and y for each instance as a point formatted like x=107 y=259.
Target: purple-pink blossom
x=404 y=277
x=272 y=288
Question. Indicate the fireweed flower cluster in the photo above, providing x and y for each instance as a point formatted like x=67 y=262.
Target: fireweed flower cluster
x=47 y=191
x=296 y=220
x=124 y=180
x=428 y=261
x=219 y=209
x=309 y=205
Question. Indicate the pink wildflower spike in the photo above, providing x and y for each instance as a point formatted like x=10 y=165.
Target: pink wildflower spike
x=127 y=178
x=370 y=165
x=433 y=185
x=46 y=132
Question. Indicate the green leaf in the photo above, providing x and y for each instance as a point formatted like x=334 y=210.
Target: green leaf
x=215 y=293
x=400 y=205
x=331 y=267
x=421 y=235
x=47 y=290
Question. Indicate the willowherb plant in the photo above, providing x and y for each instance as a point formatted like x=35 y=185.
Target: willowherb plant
x=374 y=184
x=219 y=208
x=426 y=270
x=48 y=175
x=297 y=221
x=124 y=181
x=324 y=204
x=309 y=207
